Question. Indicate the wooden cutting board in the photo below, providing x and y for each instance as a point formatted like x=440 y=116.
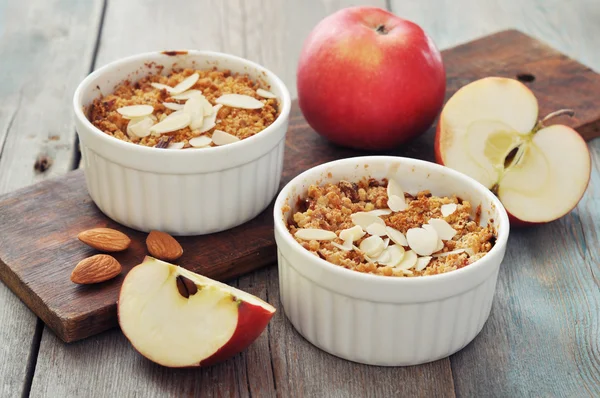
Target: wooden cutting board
x=39 y=224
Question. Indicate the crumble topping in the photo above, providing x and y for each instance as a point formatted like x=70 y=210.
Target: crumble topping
x=352 y=225
x=186 y=108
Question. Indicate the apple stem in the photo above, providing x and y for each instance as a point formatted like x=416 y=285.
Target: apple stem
x=381 y=30
x=494 y=189
x=552 y=115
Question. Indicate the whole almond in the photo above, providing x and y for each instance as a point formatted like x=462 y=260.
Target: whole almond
x=105 y=239
x=95 y=269
x=163 y=246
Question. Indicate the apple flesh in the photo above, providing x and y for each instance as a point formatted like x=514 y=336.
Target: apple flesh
x=177 y=318
x=368 y=79
x=489 y=130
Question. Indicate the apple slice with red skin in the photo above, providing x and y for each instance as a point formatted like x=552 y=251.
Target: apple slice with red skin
x=177 y=318
x=489 y=130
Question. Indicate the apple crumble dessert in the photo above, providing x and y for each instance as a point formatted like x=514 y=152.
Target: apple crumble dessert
x=185 y=109
x=374 y=227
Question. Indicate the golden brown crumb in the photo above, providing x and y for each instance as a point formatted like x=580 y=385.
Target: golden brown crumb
x=330 y=206
x=242 y=123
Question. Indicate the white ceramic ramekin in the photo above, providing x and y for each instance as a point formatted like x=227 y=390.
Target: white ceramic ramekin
x=183 y=192
x=380 y=320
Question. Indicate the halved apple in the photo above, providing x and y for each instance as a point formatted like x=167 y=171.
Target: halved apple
x=177 y=318
x=489 y=130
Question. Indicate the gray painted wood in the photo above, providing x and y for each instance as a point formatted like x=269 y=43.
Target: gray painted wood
x=302 y=370
x=280 y=363
x=270 y=32
x=570 y=27
x=543 y=333
x=542 y=336
x=45 y=49
x=544 y=321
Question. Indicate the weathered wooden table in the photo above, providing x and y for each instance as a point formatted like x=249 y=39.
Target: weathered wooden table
x=543 y=336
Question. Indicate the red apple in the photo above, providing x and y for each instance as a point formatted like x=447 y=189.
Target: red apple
x=177 y=318
x=489 y=130
x=368 y=79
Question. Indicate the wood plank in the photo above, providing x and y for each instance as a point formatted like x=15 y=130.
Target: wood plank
x=302 y=370
x=251 y=245
x=64 y=370
x=570 y=27
x=544 y=321
x=151 y=382
x=78 y=312
x=35 y=109
x=75 y=312
x=270 y=32
x=555 y=76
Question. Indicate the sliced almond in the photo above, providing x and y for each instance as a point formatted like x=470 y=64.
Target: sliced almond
x=352 y=234
x=186 y=84
x=207 y=108
x=314 y=234
x=422 y=262
x=200 y=142
x=372 y=246
x=341 y=247
x=136 y=110
x=457 y=251
x=364 y=219
x=210 y=120
x=440 y=246
x=161 y=86
x=265 y=94
x=105 y=239
x=173 y=106
x=171 y=123
x=376 y=229
x=422 y=241
x=194 y=108
x=394 y=189
x=397 y=203
x=408 y=261
x=432 y=231
x=369 y=259
x=383 y=257
x=96 y=269
x=186 y=95
x=176 y=145
x=443 y=229
x=396 y=236
x=386 y=243
x=469 y=251
x=396 y=255
x=448 y=209
x=220 y=137
x=396 y=200
x=379 y=212
x=239 y=101
x=140 y=127
x=163 y=246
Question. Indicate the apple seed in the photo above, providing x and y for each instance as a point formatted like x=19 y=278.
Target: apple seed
x=186 y=286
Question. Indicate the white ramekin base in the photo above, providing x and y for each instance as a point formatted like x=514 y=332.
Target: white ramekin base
x=183 y=204
x=383 y=334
